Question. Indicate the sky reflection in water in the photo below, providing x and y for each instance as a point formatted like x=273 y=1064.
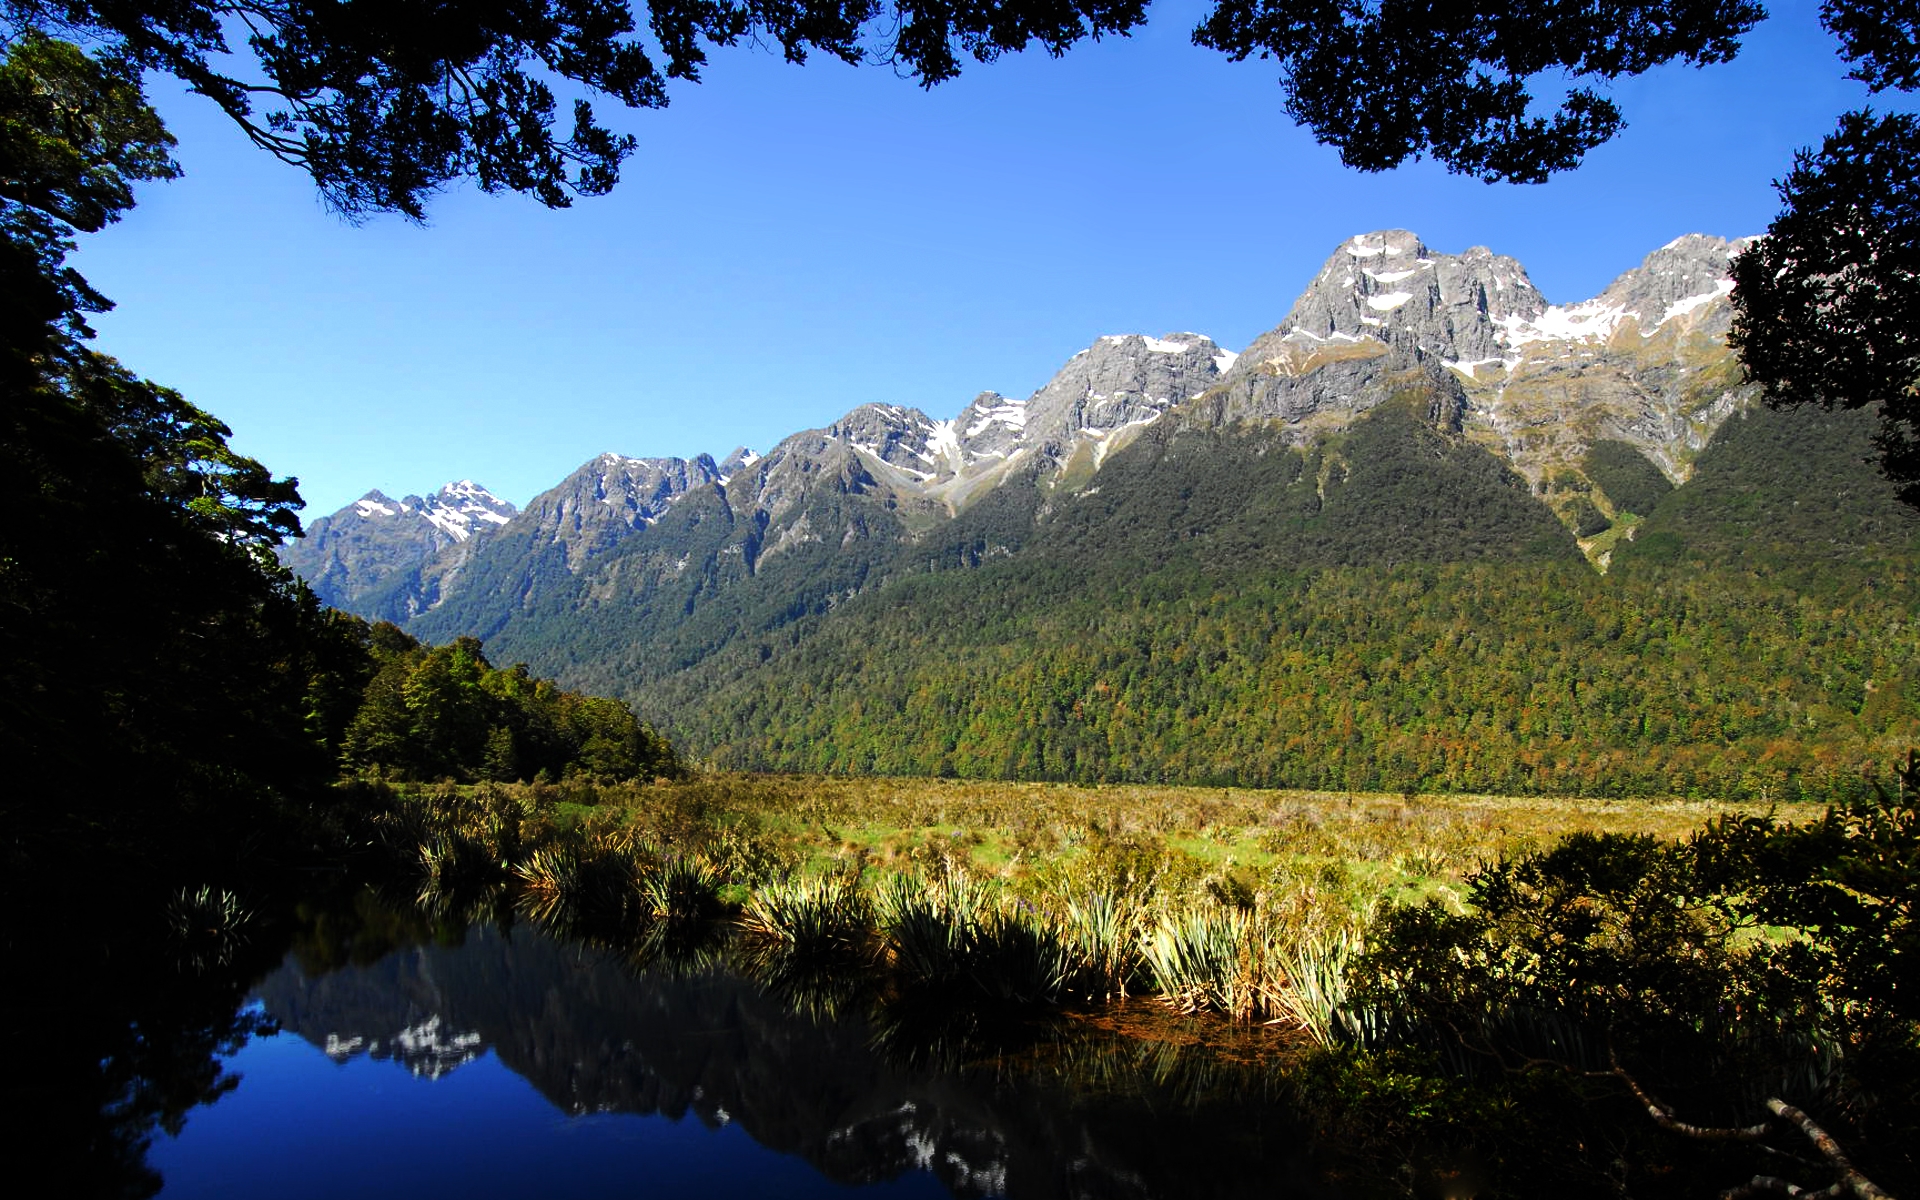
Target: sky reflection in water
x=503 y=1062
x=301 y=1125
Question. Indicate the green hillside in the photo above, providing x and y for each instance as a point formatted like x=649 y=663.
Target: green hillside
x=1389 y=607
x=1387 y=611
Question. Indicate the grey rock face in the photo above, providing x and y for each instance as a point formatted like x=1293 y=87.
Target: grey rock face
x=898 y=437
x=608 y=498
x=360 y=550
x=734 y=463
x=922 y=466
x=1115 y=383
x=1383 y=307
x=1388 y=287
x=1679 y=281
x=1645 y=361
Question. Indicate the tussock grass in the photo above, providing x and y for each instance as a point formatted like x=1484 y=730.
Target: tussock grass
x=821 y=917
x=1246 y=904
x=208 y=925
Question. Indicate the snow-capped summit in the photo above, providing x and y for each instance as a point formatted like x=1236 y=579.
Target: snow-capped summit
x=460 y=508
x=366 y=546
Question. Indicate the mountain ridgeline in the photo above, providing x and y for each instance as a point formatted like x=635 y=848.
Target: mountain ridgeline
x=1430 y=532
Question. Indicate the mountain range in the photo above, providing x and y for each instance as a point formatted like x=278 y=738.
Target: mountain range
x=1414 y=411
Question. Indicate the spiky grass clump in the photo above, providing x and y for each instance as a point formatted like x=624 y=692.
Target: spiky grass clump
x=1315 y=997
x=949 y=929
x=1223 y=960
x=680 y=890
x=208 y=924
x=452 y=861
x=1101 y=935
x=1015 y=956
x=927 y=921
x=572 y=884
x=817 y=917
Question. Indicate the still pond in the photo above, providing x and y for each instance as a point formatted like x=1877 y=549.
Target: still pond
x=386 y=1056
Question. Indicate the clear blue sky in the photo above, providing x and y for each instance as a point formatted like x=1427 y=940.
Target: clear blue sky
x=790 y=242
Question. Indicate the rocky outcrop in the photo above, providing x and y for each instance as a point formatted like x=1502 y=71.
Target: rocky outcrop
x=365 y=549
x=1467 y=335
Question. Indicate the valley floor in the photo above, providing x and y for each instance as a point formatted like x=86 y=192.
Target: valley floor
x=1354 y=848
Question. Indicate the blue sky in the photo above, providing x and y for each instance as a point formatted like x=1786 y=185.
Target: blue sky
x=789 y=242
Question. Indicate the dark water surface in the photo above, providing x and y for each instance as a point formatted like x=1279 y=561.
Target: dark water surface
x=501 y=1061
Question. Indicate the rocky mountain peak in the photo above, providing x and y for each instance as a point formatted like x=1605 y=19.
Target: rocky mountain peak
x=1118 y=383
x=457 y=511
x=1682 y=281
x=375 y=503
x=895 y=435
x=1121 y=380
x=1388 y=287
x=1679 y=279
x=736 y=462
x=351 y=554
x=462 y=508
x=611 y=495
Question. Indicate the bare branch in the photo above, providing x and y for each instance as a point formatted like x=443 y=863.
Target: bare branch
x=1765 y=1185
x=1850 y=1176
x=1662 y=1114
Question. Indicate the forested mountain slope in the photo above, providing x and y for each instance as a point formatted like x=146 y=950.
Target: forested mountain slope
x=1430 y=532
x=1514 y=673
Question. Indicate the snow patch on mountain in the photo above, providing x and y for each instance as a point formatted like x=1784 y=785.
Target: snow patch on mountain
x=1589 y=321
x=1012 y=414
x=1680 y=308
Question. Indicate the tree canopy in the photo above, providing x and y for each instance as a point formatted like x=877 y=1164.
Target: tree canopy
x=154 y=659
x=383 y=102
x=1828 y=303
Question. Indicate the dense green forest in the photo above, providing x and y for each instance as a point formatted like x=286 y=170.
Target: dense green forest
x=428 y=713
x=1348 y=678
x=1389 y=609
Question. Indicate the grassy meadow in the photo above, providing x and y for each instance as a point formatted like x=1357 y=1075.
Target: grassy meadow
x=1242 y=903
x=1357 y=848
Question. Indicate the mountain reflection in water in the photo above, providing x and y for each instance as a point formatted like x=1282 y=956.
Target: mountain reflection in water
x=827 y=1096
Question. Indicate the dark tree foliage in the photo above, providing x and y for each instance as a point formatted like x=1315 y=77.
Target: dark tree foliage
x=1828 y=303
x=75 y=135
x=1588 y=520
x=1386 y=82
x=1783 y=494
x=155 y=663
x=1629 y=478
x=1760 y=960
x=1882 y=39
x=385 y=101
x=429 y=713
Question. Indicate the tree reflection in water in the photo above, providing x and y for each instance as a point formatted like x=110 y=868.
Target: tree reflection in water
x=861 y=1085
x=117 y=1025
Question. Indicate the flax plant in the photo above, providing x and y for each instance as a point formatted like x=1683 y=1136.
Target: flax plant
x=1209 y=959
x=1101 y=934
x=1315 y=997
x=817 y=918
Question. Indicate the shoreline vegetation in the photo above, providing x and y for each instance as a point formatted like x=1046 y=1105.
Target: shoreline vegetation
x=1431 y=974
x=1609 y=982
x=1242 y=903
